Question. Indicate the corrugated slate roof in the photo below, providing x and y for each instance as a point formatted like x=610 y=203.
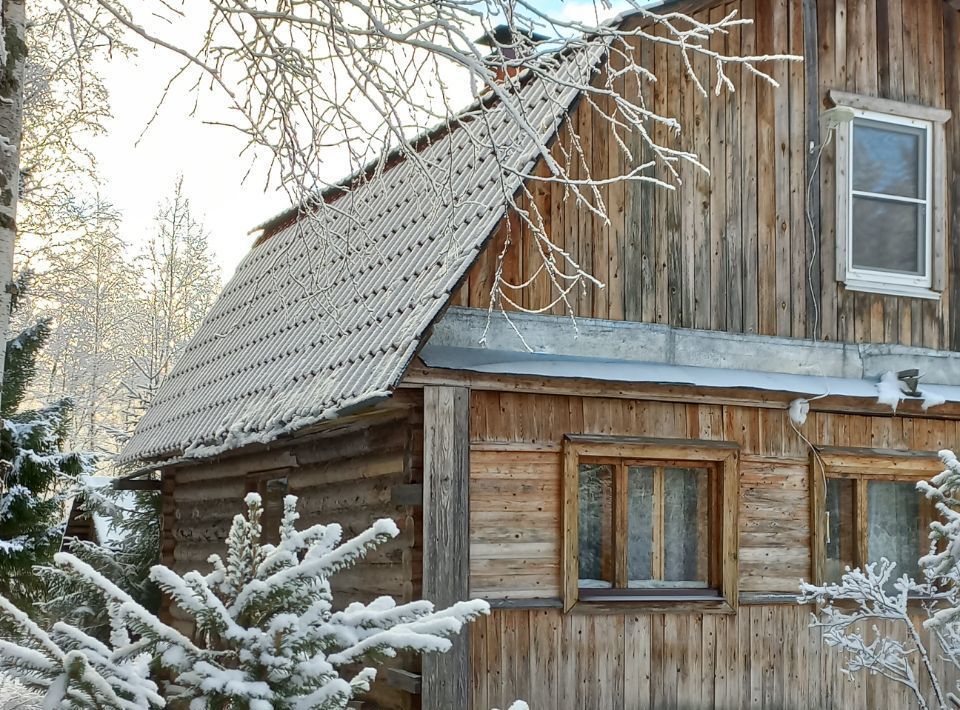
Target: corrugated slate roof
x=312 y=325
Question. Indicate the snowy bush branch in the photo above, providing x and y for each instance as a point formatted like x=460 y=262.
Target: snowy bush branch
x=266 y=630
x=849 y=616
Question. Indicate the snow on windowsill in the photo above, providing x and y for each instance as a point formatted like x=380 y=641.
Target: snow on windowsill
x=891 y=289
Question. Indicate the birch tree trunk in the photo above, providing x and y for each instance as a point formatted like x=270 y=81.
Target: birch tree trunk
x=14 y=56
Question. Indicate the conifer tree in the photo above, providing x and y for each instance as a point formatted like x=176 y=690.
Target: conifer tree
x=267 y=630
x=33 y=470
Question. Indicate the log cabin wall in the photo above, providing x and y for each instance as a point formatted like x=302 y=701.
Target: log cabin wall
x=730 y=250
x=349 y=476
x=762 y=656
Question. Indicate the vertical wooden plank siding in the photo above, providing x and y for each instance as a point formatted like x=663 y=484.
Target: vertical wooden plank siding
x=748 y=180
x=731 y=249
x=951 y=50
x=764 y=656
x=446 y=552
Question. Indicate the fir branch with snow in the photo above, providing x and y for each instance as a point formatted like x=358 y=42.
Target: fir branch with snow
x=13 y=696
x=267 y=632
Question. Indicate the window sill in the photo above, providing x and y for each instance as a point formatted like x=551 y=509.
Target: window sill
x=659 y=605
x=889 y=289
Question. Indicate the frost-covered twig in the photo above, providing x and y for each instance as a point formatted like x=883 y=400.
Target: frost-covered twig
x=321 y=85
x=849 y=613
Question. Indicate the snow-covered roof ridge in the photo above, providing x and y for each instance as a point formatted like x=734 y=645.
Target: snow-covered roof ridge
x=309 y=327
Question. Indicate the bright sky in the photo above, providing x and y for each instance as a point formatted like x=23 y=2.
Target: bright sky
x=136 y=176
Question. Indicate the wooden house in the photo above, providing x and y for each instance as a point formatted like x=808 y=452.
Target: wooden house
x=636 y=503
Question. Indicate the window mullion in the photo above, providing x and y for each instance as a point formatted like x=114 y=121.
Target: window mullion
x=889 y=197
x=861 y=521
x=657 y=549
x=621 y=526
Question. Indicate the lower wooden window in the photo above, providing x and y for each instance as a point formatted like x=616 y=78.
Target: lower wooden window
x=867 y=507
x=650 y=521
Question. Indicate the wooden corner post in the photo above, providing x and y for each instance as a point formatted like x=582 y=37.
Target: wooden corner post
x=446 y=536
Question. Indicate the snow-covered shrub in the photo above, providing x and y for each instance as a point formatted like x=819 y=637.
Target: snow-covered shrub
x=852 y=612
x=266 y=632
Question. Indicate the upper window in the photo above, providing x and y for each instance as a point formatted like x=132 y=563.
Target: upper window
x=890 y=199
x=890 y=214
x=650 y=522
x=868 y=507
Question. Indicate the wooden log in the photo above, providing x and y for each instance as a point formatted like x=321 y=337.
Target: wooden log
x=446 y=535
x=125 y=484
x=403 y=680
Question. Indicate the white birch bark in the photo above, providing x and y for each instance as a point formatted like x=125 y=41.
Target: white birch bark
x=13 y=53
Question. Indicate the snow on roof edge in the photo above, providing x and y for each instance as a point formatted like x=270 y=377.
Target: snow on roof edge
x=559 y=366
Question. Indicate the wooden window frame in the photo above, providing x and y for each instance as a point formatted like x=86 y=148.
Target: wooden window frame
x=932 y=120
x=720 y=456
x=861 y=465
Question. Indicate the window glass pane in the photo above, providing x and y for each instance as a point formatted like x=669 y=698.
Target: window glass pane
x=596 y=525
x=894 y=526
x=841 y=544
x=686 y=522
x=888 y=236
x=272 y=493
x=640 y=525
x=889 y=158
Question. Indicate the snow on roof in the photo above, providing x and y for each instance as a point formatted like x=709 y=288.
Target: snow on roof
x=612 y=370
x=311 y=327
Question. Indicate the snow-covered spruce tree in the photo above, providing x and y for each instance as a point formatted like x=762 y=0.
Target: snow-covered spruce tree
x=266 y=635
x=126 y=551
x=33 y=471
x=855 y=613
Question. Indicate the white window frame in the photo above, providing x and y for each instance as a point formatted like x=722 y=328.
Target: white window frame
x=881 y=278
x=930 y=120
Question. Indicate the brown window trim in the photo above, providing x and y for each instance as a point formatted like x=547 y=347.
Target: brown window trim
x=721 y=456
x=860 y=465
